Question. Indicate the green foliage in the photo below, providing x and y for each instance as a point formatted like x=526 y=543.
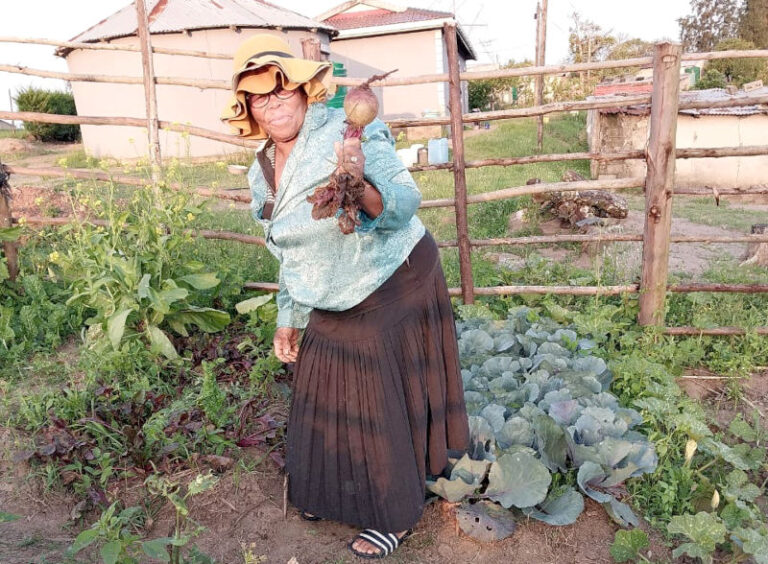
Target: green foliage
x=704 y=531
x=628 y=544
x=212 y=399
x=480 y=94
x=49 y=102
x=134 y=275
x=186 y=528
x=8 y=517
x=709 y=23
x=739 y=71
x=538 y=404
x=116 y=534
x=754 y=23
x=490 y=93
x=712 y=78
x=33 y=316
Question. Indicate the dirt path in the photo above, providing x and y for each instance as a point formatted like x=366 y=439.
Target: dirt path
x=688 y=258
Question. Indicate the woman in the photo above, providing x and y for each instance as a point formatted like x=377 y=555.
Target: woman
x=377 y=401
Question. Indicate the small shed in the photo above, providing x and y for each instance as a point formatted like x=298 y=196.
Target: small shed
x=626 y=129
x=217 y=26
x=376 y=37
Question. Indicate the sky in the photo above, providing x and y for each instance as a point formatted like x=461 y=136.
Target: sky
x=499 y=30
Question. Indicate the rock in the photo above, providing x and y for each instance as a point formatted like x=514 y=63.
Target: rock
x=757 y=253
x=507 y=261
x=446 y=552
x=517 y=221
x=581 y=208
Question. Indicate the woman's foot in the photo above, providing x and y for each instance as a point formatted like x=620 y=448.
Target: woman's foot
x=309 y=517
x=373 y=544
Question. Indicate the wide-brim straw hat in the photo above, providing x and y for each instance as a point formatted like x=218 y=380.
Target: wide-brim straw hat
x=262 y=63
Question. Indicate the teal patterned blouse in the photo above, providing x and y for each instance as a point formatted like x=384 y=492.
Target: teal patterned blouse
x=320 y=267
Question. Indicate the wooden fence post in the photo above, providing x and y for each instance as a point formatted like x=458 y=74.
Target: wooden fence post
x=459 y=175
x=659 y=183
x=310 y=49
x=9 y=248
x=150 y=95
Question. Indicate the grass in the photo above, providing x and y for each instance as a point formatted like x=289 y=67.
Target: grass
x=13 y=134
x=726 y=216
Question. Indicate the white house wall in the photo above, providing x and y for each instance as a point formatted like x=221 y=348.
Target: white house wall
x=413 y=53
x=178 y=104
x=622 y=132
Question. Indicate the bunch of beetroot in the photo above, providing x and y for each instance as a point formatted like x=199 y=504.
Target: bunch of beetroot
x=343 y=190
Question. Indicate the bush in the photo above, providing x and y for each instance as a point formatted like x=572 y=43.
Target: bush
x=48 y=102
x=739 y=71
x=712 y=78
x=480 y=94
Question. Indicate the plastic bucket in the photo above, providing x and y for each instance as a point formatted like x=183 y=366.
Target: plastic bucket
x=437 y=151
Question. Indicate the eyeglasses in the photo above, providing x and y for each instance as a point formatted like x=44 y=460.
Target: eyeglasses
x=261 y=100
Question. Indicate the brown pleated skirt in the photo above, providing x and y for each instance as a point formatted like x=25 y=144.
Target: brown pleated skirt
x=378 y=401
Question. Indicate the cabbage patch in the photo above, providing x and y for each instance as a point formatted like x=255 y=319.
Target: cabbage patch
x=539 y=403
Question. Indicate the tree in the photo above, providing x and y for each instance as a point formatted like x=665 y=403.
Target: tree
x=739 y=71
x=631 y=49
x=754 y=23
x=710 y=22
x=485 y=93
x=480 y=94
x=588 y=43
x=627 y=49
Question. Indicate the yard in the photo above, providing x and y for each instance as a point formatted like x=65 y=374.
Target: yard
x=135 y=371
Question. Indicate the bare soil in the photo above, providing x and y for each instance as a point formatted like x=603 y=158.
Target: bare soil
x=726 y=398
x=246 y=510
x=9 y=146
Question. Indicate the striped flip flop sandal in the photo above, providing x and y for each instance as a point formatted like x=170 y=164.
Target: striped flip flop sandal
x=309 y=517
x=386 y=543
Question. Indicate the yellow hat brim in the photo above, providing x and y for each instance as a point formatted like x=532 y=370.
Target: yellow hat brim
x=282 y=68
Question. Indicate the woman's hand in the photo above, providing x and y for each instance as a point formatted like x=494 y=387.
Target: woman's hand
x=286 y=344
x=350 y=157
x=352 y=161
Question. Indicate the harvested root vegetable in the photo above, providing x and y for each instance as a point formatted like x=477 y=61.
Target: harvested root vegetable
x=344 y=190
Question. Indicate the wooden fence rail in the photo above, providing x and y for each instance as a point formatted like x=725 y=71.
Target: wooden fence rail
x=529 y=71
x=658 y=184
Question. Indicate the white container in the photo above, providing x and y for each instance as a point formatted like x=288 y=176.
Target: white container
x=438 y=150
x=406 y=156
x=237 y=169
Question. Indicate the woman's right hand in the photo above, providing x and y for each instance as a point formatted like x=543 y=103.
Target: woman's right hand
x=286 y=344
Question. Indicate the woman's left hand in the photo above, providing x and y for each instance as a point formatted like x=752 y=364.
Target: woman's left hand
x=350 y=157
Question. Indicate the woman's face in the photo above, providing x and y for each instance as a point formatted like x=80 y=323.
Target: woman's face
x=281 y=118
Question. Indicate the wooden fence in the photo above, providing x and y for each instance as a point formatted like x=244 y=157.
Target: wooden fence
x=658 y=184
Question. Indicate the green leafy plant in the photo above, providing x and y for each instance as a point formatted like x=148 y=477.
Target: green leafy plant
x=185 y=528
x=133 y=274
x=704 y=532
x=115 y=533
x=627 y=545
x=538 y=403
